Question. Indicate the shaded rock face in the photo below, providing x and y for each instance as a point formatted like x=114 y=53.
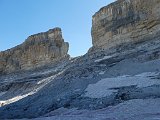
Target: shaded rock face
x=37 y=50
x=125 y=21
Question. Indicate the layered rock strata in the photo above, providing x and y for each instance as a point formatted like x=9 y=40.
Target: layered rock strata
x=125 y=21
x=37 y=50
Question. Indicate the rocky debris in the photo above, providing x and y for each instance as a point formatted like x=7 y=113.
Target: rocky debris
x=128 y=110
x=37 y=50
x=125 y=21
x=68 y=85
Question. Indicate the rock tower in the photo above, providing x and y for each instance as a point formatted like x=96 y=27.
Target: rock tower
x=125 y=21
x=37 y=50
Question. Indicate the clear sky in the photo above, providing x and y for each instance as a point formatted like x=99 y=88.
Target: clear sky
x=22 y=18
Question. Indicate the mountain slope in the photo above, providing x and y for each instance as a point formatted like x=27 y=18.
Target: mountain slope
x=91 y=82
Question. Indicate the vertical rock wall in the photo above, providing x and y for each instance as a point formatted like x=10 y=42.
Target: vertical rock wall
x=125 y=21
x=37 y=50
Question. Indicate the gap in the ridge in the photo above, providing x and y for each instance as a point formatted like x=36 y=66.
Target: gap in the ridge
x=20 y=19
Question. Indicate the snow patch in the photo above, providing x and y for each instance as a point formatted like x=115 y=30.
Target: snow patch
x=14 y=99
x=104 y=87
x=104 y=58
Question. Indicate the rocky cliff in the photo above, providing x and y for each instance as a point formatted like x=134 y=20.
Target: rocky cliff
x=37 y=50
x=125 y=21
x=122 y=83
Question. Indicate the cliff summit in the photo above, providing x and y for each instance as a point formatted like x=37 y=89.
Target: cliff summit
x=37 y=50
x=125 y=21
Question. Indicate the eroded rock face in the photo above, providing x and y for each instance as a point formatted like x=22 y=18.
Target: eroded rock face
x=125 y=21
x=37 y=50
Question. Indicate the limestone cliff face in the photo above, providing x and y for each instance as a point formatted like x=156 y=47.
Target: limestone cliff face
x=37 y=50
x=125 y=21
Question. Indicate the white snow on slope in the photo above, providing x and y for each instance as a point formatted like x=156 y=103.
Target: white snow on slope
x=138 y=109
x=14 y=99
x=104 y=58
x=105 y=86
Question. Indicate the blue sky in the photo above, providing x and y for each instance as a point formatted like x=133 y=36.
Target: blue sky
x=22 y=18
